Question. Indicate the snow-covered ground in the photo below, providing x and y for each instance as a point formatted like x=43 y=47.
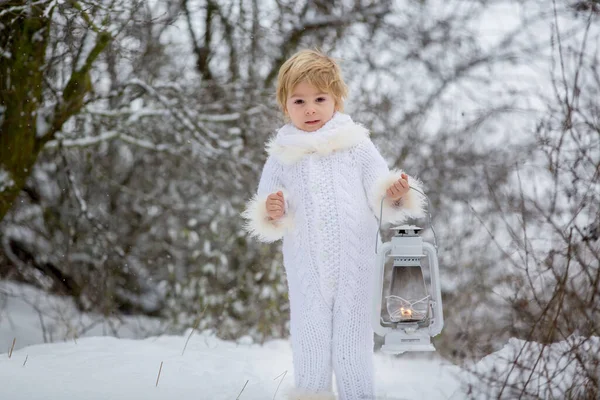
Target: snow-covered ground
x=96 y=365
x=110 y=368
x=197 y=365
x=33 y=317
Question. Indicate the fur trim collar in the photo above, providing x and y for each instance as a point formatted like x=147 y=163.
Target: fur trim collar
x=290 y=144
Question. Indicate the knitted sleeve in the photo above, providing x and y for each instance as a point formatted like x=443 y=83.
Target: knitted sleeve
x=377 y=178
x=258 y=223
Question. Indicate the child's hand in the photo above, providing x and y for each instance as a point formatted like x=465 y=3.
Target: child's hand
x=399 y=188
x=275 y=205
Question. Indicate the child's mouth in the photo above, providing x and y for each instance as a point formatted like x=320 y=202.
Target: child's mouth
x=312 y=122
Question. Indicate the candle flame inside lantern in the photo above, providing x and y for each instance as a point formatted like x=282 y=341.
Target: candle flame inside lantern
x=401 y=309
x=406 y=312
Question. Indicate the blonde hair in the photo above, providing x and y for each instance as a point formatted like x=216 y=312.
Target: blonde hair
x=315 y=68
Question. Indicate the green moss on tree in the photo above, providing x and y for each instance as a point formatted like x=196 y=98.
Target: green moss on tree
x=24 y=37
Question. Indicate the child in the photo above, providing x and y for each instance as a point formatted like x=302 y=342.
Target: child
x=320 y=190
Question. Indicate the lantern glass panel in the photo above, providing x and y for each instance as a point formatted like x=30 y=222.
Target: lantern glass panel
x=407 y=298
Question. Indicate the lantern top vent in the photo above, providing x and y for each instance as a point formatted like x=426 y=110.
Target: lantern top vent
x=407 y=230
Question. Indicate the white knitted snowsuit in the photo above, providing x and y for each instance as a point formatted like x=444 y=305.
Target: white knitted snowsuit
x=333 y=181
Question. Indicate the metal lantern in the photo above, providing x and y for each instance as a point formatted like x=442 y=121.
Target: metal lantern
x=412 y=310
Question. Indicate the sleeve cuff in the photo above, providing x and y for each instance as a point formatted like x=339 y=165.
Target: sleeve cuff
x=258 y=224
x=411 y=205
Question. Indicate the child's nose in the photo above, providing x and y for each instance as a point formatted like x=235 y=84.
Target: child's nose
x=310 y=110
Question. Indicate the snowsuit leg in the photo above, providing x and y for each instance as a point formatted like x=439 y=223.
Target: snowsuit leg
x=310 y=336
x=352 y=347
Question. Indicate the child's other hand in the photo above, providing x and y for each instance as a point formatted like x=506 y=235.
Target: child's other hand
x=398 y=189
x=275 y=205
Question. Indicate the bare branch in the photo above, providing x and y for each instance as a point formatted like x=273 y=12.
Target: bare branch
x=292 y=38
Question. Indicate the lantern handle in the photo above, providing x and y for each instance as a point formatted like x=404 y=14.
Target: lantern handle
x=428 y=217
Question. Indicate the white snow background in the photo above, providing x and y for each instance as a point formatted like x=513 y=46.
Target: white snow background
x=197 y=365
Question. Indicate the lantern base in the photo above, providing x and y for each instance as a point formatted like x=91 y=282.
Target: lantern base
x=403 y=348
x=399 y=341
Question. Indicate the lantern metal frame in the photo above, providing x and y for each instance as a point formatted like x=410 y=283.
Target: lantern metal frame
x=407 y=249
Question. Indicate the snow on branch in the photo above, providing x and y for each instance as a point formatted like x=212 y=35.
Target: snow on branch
x=344 y=19
x=5 y=53
x=5 y=180
x=228 y=117
x=93 y=140
x=14 y=10
x=208 y=138
x=134 y=115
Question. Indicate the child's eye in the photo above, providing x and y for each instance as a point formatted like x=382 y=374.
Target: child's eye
x=298 y=101
x=321 y=99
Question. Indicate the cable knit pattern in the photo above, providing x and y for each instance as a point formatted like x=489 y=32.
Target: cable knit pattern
x=334 y=179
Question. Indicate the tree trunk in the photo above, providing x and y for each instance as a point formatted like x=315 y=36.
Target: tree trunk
x=24 y=37
x=23 y=41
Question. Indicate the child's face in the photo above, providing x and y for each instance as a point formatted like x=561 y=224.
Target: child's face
x=309 y=108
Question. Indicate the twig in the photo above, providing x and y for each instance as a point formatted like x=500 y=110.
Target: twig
x=238 y=396
x=158 y=377
x=193 y=329
x=26 y=357
x=276 y=390
x=12 y=347
x=86 y=17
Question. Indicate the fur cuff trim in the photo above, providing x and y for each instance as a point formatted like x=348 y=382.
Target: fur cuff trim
x=411 y=205
x=258 y=223
x=299 y=394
